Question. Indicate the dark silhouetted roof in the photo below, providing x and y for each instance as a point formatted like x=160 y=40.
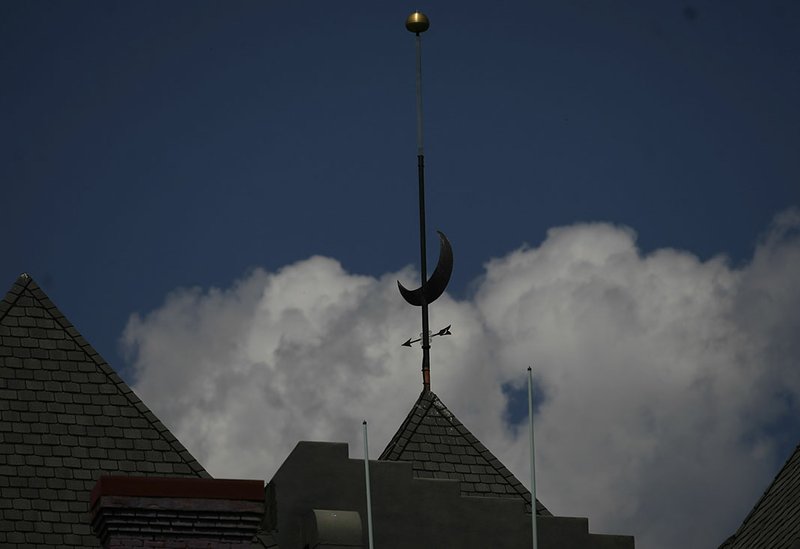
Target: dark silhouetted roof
x=774 y=522
x=439 y=446
x=66 y=418
x=265 y=539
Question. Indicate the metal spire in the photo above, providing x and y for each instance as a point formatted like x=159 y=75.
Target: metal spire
x=430 y=289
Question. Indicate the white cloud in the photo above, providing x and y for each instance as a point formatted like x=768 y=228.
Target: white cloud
x=660 y=372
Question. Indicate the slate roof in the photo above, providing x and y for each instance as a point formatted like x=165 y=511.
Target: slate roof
x=66 y=418
x=774 y=521
x=439 y=446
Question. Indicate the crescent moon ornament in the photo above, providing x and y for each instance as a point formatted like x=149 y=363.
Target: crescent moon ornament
x=435 y=285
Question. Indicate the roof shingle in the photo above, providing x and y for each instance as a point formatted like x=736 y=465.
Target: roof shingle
x=774 y=521
x=439 y=446
x=66 y=418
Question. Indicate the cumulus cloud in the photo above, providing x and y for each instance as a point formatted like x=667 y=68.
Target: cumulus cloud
x=662 y=376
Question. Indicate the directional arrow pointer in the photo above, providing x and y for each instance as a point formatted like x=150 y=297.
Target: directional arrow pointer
x=443 y=332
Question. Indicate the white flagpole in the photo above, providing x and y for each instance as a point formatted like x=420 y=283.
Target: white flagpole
x=369 y=498
x=533 y=460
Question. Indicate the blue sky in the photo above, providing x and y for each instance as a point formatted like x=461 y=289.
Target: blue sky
x=149 y=147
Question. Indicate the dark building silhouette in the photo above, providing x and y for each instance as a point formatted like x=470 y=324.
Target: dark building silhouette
x=85 y=463
x=774 y=521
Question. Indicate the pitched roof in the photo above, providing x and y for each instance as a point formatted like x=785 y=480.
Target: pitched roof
x=774 y=521
x=440 y=446
x=66 y=418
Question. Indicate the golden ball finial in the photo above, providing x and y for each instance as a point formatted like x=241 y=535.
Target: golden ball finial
x=417 y=22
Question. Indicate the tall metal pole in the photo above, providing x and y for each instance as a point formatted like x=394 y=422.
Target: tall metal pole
x=369 y=496
x=533 y=460
x=418 y=23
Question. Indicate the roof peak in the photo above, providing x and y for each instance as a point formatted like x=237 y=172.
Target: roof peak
x=73 y=419
x=440 y=446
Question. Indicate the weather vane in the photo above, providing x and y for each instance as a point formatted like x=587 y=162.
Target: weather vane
x=434 y=287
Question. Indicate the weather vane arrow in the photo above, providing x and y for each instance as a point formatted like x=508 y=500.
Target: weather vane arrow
x=443 y=332
x=430 y=289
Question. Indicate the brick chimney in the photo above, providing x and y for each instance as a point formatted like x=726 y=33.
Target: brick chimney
x=150 y=512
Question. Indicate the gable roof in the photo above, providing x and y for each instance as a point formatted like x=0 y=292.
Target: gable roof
x=439 y=446
x=774 y=521
x=66 y=418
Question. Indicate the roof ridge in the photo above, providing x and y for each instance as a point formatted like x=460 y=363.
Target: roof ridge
x=125 y=390
x=733 y=537
x=13 y=294
x=414 y=413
